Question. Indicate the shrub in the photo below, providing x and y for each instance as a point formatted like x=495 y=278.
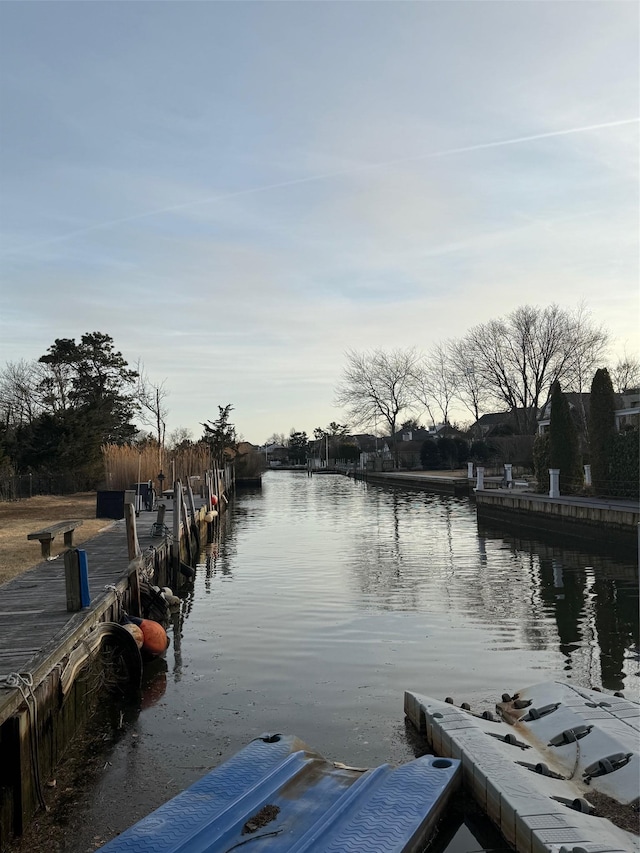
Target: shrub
x=564 y=450
x=516 y=449
x=430 y=455
x=541 y=461
x=448 y=452
x=462 y=448
x=624 y=465
x=601 y=429
x=348 y=452
x=480 y=452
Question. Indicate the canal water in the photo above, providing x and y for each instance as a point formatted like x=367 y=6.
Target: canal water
x=323 y=599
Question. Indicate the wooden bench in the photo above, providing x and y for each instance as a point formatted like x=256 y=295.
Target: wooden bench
x=48 y=534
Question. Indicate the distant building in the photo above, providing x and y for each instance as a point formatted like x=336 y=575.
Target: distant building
x=627 y=411
x=501 y=423
x=579 y=406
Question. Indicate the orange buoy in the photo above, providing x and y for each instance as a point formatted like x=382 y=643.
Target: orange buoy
x=214 y=500
x=136 y=633
x=155 y=637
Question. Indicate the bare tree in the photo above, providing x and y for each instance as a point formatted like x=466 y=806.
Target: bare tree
x=20 y=399
x=519 y=357
x=470 y=387
x=276 y=438
x=152 y=408
x=587 y=346
x=626 y=373
x=179 y=436
x=435 y=382
x=378 y=384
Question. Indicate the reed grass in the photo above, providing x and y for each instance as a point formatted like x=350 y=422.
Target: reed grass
x=127 y=464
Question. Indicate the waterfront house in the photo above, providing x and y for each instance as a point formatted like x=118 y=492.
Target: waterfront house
x=627 y=411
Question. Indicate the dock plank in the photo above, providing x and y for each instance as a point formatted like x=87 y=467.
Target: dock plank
x=34 y=620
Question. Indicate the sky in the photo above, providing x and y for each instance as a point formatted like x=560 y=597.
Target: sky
x=241 y=192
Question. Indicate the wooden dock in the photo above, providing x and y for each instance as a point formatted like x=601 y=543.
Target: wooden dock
x=41 y=706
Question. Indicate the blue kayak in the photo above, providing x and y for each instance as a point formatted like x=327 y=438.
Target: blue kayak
x=277 y=794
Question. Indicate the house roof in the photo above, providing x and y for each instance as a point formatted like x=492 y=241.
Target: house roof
x=493 y=418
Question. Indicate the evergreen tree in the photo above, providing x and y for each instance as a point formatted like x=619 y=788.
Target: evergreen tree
x=564 y=446
x=541 y=463
x=84 y=396
x=220 y=435
x=602 y=429
x=298 y=446
x=430 y=455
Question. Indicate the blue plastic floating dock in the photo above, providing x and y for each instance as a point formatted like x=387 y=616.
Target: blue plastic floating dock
x=279 y=795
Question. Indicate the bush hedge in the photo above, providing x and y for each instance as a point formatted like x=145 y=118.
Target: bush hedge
x=542 y=461
x=624 y=464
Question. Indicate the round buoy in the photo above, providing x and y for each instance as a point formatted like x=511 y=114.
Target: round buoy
x=209 y=516
x=214 y=500
x=135 y=632
x=155 y=637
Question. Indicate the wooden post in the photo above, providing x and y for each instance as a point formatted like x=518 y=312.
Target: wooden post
x=72 y=579
x=23 y=784
x=187 y=528
x=177 y=506
x=132 y=536
x=195 y=520
x=162 y=508
x=134 y=589
x=192 y=503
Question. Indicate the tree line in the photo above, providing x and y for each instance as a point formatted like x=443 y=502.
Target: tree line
x=510 y=363
x=58 y=414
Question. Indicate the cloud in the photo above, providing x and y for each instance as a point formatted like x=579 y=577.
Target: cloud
x=238 y=193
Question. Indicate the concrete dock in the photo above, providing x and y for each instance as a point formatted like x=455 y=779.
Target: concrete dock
x=519 y=507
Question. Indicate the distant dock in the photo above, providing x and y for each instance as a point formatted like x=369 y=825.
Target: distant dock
x=456 y=484
x=568 y=515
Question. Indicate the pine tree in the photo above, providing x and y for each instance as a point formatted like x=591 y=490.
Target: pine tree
x=602 y=429
x=564 y=447
x=221 y=435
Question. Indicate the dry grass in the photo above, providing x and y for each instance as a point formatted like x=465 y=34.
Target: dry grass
x=18 y=518
x=127 y=464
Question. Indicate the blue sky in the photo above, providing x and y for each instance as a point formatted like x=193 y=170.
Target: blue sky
x=239 y=192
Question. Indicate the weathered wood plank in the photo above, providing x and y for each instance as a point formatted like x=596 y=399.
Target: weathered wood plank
x=37 y=632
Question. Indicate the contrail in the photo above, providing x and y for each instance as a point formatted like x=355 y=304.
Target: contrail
x=322 y=177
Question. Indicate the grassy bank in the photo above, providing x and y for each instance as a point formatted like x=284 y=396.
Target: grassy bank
x=18 y=518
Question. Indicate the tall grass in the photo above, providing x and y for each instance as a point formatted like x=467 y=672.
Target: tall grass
x=123 y=464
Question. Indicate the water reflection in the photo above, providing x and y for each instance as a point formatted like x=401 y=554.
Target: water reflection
x=322 y=599
x=593 y=601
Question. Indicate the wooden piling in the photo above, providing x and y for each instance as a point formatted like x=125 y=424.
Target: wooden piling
x=72 y=579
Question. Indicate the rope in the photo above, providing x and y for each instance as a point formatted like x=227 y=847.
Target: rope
x=23 y=681
x=118 y=594
x=575 y=766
